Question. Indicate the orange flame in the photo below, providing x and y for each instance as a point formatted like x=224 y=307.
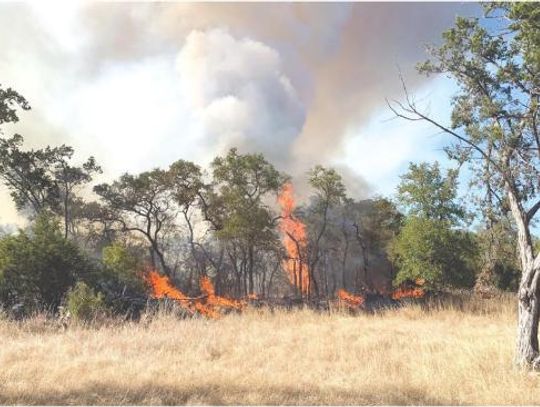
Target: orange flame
x=215 y=301
x=209 y=305
x=350 y=299
x=162 y=287
x=416 y=292
x=294 y=240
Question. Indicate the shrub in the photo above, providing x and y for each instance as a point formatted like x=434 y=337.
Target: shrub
x=84 y=304
x=38 y=266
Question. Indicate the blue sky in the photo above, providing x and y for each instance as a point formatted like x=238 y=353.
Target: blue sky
x=388 y=144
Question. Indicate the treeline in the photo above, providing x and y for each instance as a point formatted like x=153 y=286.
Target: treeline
x=224 y=223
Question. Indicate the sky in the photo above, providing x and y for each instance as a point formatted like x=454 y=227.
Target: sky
x=140 y=85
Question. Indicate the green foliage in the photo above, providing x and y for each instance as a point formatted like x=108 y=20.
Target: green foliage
x=245 y=177
x=123 y=265
x=185 y=179
x=39 y=266
x=242 y=182
x=495 y=114
x=143 y=204
x=328 y=185
x=43 y=179
x=84 y=304
x=9 y=100
x=429 y=249
x=425 y=192
x=427 y=246
x=237 y=208
x=498 y=244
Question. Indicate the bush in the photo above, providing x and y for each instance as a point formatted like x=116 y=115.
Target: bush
x=84 y=304
x=37 y=267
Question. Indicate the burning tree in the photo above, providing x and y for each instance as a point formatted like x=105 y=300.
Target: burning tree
x=295 y=241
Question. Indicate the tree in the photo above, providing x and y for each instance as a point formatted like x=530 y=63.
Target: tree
x=84 y=304
x=125 y=264
x=425 y=192
x=429 y=250
x=329 y=192
x=9 y=101
x=373 y=224
x=149 y=204
x=68 y=179
x=495 y=123
x=500 y=260
x=187 y=188
x=28 y=177
x=43 y=179
x=121 y=278
x=142 y=204
x=246 y=224
x=428 y=246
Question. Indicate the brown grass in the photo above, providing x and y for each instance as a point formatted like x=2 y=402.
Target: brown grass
x=459 y=354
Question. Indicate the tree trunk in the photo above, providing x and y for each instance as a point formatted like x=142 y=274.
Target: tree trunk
x=66 y=217
x=250 y=270
x=527 y=353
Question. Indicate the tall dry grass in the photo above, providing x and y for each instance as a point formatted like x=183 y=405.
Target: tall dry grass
x=457 y=354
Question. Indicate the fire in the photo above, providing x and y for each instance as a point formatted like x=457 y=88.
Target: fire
x=415 y=292
x=350 y=299
x=215 y=301
x=294 y=240
x=162 y=287
x=209 y=304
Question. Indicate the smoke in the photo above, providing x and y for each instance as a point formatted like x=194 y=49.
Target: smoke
x=241 y=95
x=287 y=80
x=340 y=61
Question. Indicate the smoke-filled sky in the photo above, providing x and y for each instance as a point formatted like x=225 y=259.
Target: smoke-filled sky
x=141 y=85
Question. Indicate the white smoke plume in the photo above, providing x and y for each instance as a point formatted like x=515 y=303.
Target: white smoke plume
x=240 y=93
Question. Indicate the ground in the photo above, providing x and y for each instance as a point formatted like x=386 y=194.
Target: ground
x=452 y=355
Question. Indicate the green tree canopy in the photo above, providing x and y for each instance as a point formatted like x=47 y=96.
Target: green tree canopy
x=428 y=249
x=424 y=191
x=9 y=101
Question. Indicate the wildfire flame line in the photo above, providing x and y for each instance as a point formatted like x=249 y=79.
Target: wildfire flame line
x=350 y=299
x=295 y=241
x=416 y=292
x=209 y=304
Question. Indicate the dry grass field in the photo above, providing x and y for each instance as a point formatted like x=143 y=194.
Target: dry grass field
x=450 y=355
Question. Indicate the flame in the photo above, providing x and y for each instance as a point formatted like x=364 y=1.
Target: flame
x=294 y=240
x=162 y=287
x=215 y=301
x=208 y=305
x=415 y=292
x=350 y=299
